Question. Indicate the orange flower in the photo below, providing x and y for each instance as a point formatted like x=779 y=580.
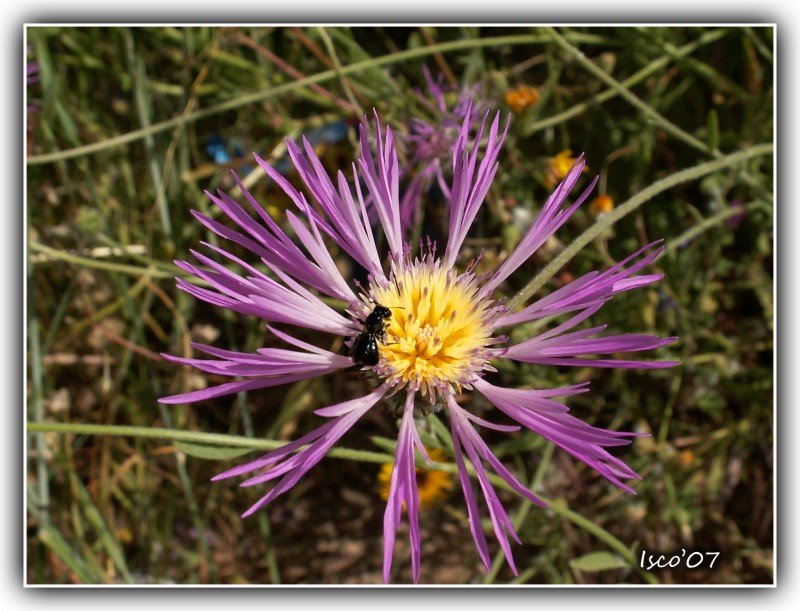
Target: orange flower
x=522 y=97
x=686 y=458
x=600 y=205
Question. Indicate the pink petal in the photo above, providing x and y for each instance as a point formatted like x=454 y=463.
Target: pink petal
x=403 y=489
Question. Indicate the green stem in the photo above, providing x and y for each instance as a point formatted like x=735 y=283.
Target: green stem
x=338 y=67
x=710 y=222
x=95 y=263
x=522 y=513
x=624 y=92
x=194 y=437
x=629 y=206
x=602 y=534
x=342 y=453
x=281 y=90
x=632 y=80
x=37 y=406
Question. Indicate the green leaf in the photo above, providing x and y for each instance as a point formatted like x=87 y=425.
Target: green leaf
x=210 y=452
x=713 y=130
x=388 y=445
x=108 y=540
x=53 y=539
x=598 y=561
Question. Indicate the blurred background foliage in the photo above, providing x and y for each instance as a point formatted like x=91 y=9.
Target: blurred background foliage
x=128 y=126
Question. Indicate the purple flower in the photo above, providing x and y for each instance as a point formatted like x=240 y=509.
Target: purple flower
x=31 y=76
x=430 y=146
x=444 y=331
x=32 y=72
x=733 y=222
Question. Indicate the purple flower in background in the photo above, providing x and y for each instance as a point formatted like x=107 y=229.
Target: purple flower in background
x=32 y=70
x=31 y=76
x=733 y=222
x=443 y=332
x=430 y=146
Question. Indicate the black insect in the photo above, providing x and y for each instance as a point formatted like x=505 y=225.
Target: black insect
x=365 y=345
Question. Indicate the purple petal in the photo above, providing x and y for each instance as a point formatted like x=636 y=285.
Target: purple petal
x=383 y=183
x=347 y=226
x=491 y=425
x=403 y=489
x=276 y=248
x=275 y=455
x=464 y=434
x=246 y=385
x=592 y=289
x=562 y=350
x=551 y=420
x=262 y=296
x=469 y=497
x=267 y=362
x=485 y=453
x=410 y=204
x=293 y=468
x=466 y=197
x=296 y=342
x=550 y=218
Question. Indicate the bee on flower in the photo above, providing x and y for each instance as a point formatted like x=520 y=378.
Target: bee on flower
x=442 y=327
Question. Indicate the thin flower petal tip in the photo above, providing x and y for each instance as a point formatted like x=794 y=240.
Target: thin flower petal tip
x=424 y=329
x=563 y=165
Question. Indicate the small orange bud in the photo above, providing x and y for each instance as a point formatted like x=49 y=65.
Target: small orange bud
x=686 y=457
x=600 y=205
x=522 y=97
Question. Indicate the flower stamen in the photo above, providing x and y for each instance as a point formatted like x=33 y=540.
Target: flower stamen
x=441 y=327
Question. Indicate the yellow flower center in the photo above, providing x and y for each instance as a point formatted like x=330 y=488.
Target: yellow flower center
x=437 y=336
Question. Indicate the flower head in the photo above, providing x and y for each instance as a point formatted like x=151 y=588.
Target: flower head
x=444 y=331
